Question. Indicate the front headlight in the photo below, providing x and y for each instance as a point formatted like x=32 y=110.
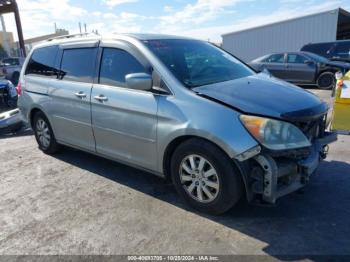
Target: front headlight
x=275 y=134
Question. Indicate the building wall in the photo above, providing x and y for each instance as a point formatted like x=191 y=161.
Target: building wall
x=9 y=38
x=30 y=43
x=281 y=37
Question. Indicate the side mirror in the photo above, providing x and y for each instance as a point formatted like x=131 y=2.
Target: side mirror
x=139 y=81
x=309 y=62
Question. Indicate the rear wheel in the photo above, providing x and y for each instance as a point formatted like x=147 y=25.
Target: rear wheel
x=326 y=80
x=44 y=134
x=205 y=177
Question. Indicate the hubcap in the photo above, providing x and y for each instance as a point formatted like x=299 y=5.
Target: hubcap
x=43 y=133
x=199 y=178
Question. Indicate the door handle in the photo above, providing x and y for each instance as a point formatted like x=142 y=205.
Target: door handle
x=80 y=94
x=101 y=98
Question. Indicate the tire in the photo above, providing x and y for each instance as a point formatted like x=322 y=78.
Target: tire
x=44 y=134
x=326 y=81
x=218 y=175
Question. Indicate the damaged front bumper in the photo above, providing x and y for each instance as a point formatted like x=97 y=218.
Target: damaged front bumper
x=273 y=175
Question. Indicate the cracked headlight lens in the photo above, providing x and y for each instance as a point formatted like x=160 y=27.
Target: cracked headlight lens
x=275 y=134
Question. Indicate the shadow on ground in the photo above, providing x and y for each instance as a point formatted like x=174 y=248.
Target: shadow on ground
x=303 y=224
x=24 y=131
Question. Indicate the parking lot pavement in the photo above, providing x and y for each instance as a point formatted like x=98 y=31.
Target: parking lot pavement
x=76 y=203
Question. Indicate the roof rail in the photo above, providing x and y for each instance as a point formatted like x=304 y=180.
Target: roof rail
x=71 y=36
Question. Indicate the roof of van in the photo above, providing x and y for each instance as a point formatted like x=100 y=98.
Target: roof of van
x=86 y=37
x=154 y=36
x=89 y=36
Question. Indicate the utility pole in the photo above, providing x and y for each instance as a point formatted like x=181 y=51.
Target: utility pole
x=10 y=6
x=4 y=36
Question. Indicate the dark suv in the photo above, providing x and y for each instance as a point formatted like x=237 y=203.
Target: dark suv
x=338 y=50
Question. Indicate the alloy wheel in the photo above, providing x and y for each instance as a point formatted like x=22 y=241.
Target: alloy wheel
x=199 y=178
x=43 y=133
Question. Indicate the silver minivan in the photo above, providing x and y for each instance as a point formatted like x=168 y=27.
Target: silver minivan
x=179 y=108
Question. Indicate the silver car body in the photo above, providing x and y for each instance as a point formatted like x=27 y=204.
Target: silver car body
x=133 y=126
x=136 y=127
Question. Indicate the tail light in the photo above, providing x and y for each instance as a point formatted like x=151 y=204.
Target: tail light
x=19 y=89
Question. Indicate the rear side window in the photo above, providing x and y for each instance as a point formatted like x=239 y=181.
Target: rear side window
x=116 y=64
x=42 y=62
x=276 y=58
x=78 y=64
x=296 y=59
x=10 y=62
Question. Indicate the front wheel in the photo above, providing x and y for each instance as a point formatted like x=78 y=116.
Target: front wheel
x=44 y=134
x=326 y=80
x=205 y=177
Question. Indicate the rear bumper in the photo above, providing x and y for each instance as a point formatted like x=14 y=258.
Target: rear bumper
x=275 y=177
x=10 y=118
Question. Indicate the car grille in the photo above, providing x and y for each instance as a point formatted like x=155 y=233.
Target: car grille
x=313 y=129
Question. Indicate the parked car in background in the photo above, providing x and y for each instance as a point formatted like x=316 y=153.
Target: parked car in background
x=8 y=95
x=337 y=50
x=179 y=108
x=302 y=68
x=10 y=117
x=11 y=67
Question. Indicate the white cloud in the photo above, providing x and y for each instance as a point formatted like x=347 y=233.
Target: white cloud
x=168 y=8
x=113 y=3
x=96 y=13
x=38 y=16
x=201 y=11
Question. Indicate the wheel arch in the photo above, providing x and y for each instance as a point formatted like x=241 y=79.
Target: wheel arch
x=32 y=113
x=327 y=69
x=171 y=147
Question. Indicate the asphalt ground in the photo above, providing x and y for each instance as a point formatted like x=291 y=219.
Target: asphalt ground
x=75 y=203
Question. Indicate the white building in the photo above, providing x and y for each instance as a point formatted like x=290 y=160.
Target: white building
x=289 y=35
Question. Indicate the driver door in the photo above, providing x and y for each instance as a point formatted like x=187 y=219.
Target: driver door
x=299 y=70
x=124 y=121
x=276 y=65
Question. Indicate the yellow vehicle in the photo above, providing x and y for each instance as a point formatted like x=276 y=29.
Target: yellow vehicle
x=341 y=110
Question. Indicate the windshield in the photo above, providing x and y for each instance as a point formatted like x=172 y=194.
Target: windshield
x=10 y=61
x=197 y=63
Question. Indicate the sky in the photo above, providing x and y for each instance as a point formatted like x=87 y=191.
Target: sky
x=202 y=19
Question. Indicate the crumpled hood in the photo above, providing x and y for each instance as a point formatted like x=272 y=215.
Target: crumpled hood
x=265 y=95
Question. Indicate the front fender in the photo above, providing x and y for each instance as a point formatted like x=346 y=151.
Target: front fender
x=215 y=123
